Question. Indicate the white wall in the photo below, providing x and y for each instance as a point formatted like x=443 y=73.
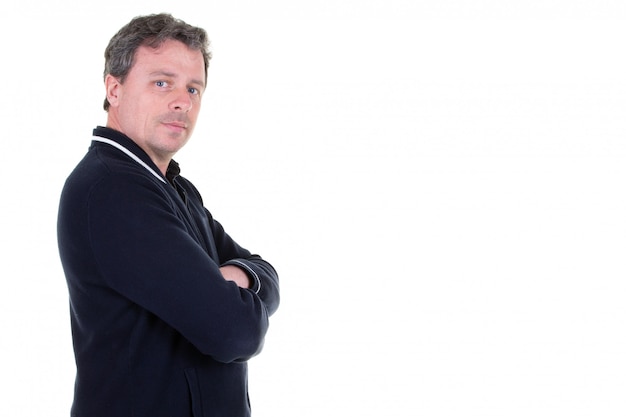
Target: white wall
x=439 y=183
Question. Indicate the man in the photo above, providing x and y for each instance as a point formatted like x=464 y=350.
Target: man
x=165 y=307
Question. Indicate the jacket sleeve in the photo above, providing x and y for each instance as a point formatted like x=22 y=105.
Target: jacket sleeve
x=261 y=273
x=145 y=252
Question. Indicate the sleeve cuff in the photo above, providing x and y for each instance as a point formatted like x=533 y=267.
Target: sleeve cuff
x=256 y=282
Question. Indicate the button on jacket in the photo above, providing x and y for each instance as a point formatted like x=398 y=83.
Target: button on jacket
x=157 y=331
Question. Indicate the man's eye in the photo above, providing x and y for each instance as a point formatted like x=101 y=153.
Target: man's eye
x=160 y=83
x=193 y=90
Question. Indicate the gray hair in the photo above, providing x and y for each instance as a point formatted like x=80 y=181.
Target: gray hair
x=152 y=31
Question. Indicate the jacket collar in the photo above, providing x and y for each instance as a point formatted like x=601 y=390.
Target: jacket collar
x=129 y=147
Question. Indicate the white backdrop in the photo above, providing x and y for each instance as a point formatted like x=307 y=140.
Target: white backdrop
x=439 y=183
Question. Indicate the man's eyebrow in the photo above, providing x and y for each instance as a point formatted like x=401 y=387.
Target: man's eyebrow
x=163 y=73
x=198 y=82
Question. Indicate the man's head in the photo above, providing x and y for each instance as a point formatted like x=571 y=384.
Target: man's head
x=155 y=75
x=151 y=31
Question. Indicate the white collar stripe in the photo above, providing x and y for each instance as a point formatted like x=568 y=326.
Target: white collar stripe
x=129 y=153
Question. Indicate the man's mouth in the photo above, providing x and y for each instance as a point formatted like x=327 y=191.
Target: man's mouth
x=176 y=126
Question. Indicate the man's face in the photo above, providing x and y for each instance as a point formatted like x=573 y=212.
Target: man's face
x=158 y=103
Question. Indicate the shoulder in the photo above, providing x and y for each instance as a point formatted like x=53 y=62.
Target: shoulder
x=103 y=174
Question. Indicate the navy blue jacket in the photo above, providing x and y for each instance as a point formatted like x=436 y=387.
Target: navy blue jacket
x=156 y=329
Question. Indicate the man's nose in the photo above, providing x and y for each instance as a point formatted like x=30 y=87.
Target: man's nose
x=181 y=101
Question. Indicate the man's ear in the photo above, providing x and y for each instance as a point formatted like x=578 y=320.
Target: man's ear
x=112 y=86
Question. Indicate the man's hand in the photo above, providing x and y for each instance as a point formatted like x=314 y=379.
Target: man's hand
x=232 y=273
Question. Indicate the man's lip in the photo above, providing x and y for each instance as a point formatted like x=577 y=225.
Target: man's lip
x=177 y=125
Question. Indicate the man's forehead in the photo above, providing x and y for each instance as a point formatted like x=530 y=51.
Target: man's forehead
x=169 y=59
x=170 y=47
